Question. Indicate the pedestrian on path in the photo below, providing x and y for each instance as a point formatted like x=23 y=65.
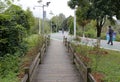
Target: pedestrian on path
x=110 y=32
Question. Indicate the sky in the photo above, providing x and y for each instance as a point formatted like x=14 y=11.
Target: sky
x=56 y=6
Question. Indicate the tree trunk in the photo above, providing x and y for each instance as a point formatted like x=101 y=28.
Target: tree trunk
x=83 y=31
x=99 y=29
x=100 y=22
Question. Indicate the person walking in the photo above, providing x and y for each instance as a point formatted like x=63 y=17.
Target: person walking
x=110 y=32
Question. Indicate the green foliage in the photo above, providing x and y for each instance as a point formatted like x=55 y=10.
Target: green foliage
x=9 y=67
x=108 y=65
x=70 y=24
x=19 y=16
x=12 y=35
x=57 y=22
x=31 y=19
x=33 y=40
x=102 y=61
x=11 y=77
x=97 y=10
x=47 y=27
x=34 y=29
x=118 y=37
x=10 y=63
x=82 y=49
x=2 y=6
x=90 y=33
x=14 y=26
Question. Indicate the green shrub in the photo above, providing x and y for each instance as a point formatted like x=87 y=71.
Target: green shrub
x=103 y=36
x=11 y=77
x=9 y=63
x=9 y=67
x=90 y=33
x=79 y=33
x=34 y=40
x=118 y=37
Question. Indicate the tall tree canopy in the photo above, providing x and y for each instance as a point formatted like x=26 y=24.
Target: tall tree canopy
x=57 y=21
x=14 y=24
x=98 y=10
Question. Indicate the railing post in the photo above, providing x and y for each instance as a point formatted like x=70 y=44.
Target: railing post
x=68 y=46
x=40 y=57
x=65 y=41
x=27 y=72
x=88 y=71
x=48 y=39
x=73 y=56
x=45 y=43
x=41 y=52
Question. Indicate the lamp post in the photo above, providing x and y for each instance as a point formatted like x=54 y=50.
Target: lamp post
x=75 y=23
x=44 y=14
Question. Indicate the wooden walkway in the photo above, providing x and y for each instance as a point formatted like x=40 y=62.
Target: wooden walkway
x=57 y=66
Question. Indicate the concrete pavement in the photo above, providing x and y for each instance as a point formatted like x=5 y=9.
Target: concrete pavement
x=59 y=36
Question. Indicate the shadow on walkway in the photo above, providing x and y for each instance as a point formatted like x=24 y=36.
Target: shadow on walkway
x=57 y=66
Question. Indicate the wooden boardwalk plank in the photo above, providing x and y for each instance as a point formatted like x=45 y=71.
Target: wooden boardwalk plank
x=57 y=66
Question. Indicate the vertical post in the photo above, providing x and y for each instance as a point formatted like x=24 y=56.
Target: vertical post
x=51 y=27
x=68 y=46
x=39 y=25
x=75 y=23
x=27 y=72
x=88 y=71
x=43 y=20
x=40 y=55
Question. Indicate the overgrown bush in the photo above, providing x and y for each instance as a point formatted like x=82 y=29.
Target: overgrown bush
x=90 y=33
x=118 y=37
x=9 y=67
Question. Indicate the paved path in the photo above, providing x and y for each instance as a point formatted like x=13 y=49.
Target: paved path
x=115 y=46
x=57 y=66
x=103 y=44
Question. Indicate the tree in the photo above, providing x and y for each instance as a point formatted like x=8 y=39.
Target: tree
x=98 y=10
x=14 y=24
x=57 y=21
x=11 y=35
x=30 y=18
x=65 y=25
x=70 y=24
x=61 y=19
x=19 y=15
x=5 y=4
x=2 y=6
x=81 y=12
x=82 y=18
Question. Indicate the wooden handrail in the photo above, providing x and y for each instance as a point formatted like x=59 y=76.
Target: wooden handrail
x=91 y=78
x=29 y=71
x=84 y=71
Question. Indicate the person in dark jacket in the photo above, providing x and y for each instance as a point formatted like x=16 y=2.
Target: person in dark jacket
x=110 y=31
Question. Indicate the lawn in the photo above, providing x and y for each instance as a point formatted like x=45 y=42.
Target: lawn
x=105 y=64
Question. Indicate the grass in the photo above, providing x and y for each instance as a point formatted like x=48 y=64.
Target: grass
x=34 y=40
x=102 y=61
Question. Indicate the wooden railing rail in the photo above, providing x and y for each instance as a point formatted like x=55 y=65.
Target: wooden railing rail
x=30 y=71
x=84 y=71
